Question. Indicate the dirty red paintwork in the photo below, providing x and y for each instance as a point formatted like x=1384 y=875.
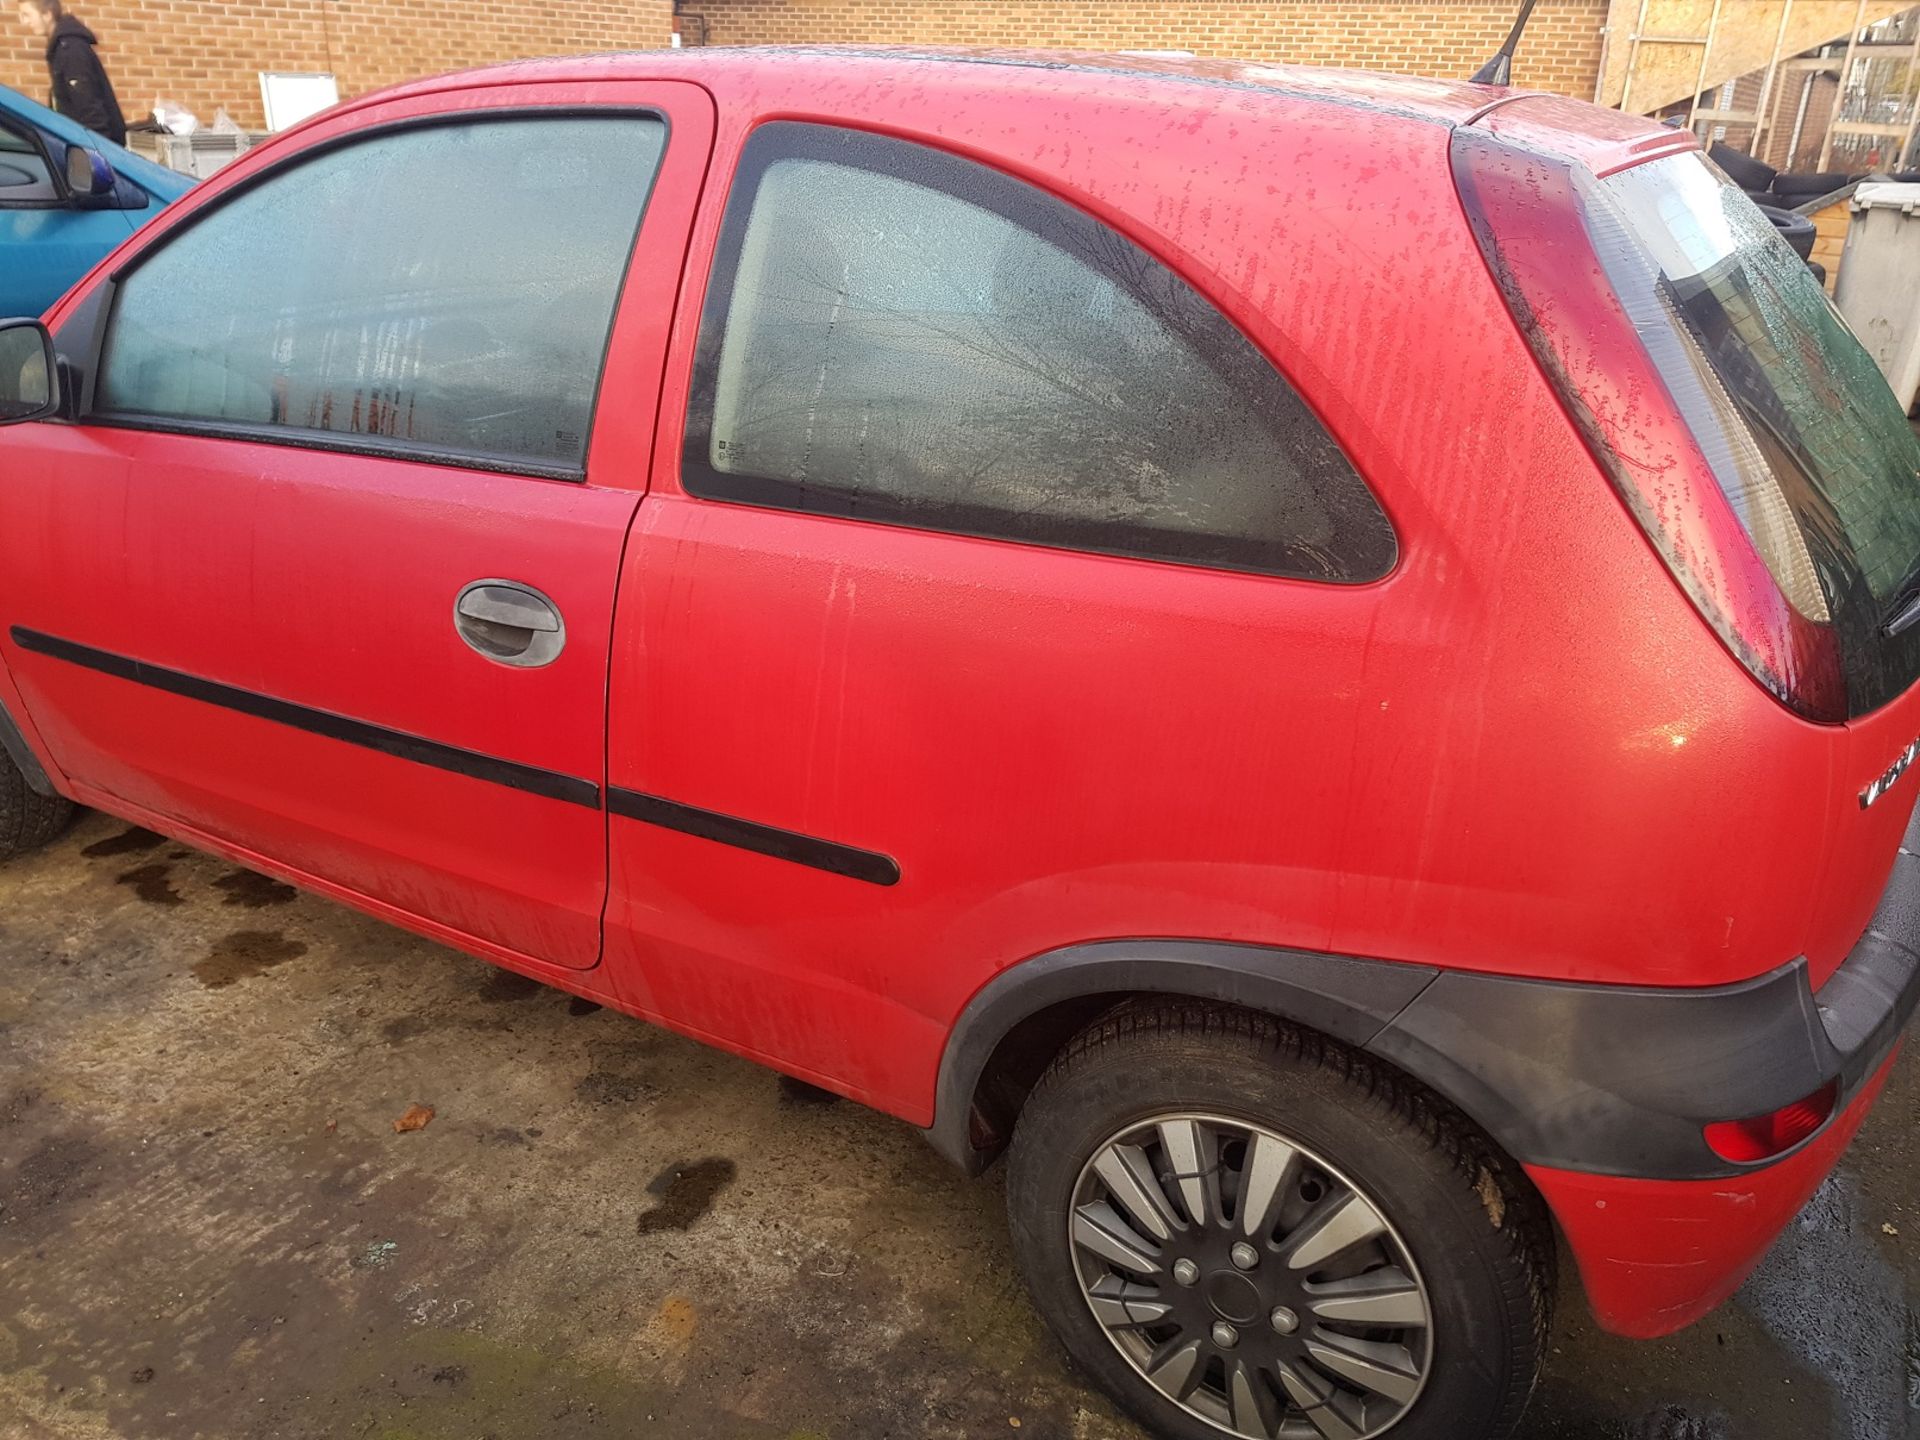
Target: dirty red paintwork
x=1477 y=762
x=343 y=567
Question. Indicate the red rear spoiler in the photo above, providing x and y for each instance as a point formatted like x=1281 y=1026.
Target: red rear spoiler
x=1603 y=141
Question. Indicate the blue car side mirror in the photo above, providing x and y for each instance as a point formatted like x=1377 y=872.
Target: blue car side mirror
x=88 y=173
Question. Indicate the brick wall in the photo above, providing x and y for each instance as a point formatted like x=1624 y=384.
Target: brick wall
x=1561 y=50
x=208 y=53
x=1789 y=89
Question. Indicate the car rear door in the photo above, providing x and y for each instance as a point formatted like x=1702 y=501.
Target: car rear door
x=326 y=571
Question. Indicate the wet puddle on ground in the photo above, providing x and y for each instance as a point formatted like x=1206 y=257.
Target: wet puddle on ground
x=152 y=883
x=686 y=1192
x=132 y=841
x=253 y=890
x=243 y=954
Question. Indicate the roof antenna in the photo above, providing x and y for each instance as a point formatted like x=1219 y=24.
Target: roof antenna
x=1497 y=70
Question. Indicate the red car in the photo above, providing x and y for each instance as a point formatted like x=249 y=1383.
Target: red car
x=1327 y=660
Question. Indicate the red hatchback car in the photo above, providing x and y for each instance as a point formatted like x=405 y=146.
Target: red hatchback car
x=1328 y=659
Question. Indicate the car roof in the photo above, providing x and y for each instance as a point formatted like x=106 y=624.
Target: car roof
x=1603 y=140
x=1082 y=73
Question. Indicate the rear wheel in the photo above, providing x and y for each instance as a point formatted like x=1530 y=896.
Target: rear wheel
x=1240 y=1229
x=28 y=819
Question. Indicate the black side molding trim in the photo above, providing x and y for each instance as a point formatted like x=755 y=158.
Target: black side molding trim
x=1346 y=998
x=828 y=855
x=398 y=743
x=24 y=760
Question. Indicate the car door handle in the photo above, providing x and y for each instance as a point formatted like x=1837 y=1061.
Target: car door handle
x=509 y=623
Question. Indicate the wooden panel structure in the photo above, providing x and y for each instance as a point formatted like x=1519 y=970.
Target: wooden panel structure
x=1831 y=216
x=1664 y=64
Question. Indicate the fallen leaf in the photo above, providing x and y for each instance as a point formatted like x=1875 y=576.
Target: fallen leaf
x=673 y=1324
x=416 y=1118
x=332 y=1125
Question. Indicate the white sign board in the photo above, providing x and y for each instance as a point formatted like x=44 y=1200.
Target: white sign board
x=290 y=98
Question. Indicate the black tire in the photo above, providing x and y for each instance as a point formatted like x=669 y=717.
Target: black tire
x=1796 y=230
x=28 y=819
x=1798 y=187
x=1474 y=1228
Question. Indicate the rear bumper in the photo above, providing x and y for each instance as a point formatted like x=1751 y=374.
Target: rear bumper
x=1657 y=1255
x=1621 y=1080
x=1603 y=1092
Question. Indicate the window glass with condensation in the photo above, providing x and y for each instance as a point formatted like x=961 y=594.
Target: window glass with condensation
x=447 y=289
x=903 y=336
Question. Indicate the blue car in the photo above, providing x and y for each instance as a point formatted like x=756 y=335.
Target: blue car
x=67 y=197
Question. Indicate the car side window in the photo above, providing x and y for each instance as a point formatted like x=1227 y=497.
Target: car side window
x=444 y=290
x=896 y=334
x=26 y=178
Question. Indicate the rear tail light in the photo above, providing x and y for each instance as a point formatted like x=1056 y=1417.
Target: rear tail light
x=1765 y=1136
x=1603 y=324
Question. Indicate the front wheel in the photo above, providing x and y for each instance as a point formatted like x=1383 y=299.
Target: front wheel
x=1240 y=1229
x=28 y=819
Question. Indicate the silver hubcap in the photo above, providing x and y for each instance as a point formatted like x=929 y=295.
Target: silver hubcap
x=1188 y=1229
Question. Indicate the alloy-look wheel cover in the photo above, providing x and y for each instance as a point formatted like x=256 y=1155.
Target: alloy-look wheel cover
x=1249 y=1281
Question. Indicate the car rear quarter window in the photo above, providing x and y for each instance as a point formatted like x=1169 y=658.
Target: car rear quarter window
x=445 y=289
x=900 y=335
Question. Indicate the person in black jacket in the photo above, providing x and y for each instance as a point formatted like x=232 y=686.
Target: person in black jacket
x=81 y=90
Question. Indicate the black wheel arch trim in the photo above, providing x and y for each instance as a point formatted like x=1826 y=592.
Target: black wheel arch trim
x=1604 y=1079
x=1346 y=998
x=24 y=760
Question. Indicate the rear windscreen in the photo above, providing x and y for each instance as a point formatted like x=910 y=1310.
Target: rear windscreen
x=1807 y=440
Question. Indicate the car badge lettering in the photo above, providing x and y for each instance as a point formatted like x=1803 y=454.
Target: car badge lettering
x=1892 y=773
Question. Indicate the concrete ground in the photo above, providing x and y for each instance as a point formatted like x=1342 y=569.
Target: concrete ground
x=209 y=1226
